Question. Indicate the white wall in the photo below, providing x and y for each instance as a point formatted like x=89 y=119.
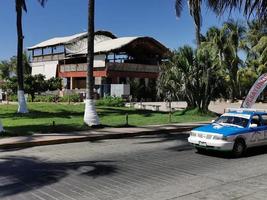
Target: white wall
x=99 y=60
x=48 y=68
x=119 y=89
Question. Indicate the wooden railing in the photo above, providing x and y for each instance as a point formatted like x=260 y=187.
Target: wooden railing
x=51 y=57
x=131 y=67
x=124 y=67
x=73 y=67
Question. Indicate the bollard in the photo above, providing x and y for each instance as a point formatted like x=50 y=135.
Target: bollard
x=170 y=117
x=126 y=119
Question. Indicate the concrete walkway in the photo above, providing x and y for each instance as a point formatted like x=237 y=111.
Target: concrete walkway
x=92 y=135
x=215 y=106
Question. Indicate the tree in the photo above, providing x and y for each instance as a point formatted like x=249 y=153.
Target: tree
x=54 y=83
x=256 y=30
x=246 y=76
x=235 y=34
x=5 y=69
x=258 y=8
x=256 y=43
x=8 y=67
x=192 y=76
x=10 y=85
x=227 y=42
x=20 y=7
x=90 y=115
x=195 y=12
x=35 y=84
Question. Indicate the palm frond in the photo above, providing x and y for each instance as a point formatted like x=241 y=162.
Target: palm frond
x=42 y=2
x=249 y=7
x=178 y=7
x=23 y=5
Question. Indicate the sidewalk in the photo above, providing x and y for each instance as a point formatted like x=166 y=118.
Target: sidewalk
x=92 y=135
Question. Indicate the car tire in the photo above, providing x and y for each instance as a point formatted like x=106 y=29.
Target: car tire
x=239 y=148
x=200 y=150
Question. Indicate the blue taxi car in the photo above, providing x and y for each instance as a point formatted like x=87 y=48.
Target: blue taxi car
x=235 y=130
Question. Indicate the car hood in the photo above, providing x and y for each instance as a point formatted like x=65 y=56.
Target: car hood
x=225 y=130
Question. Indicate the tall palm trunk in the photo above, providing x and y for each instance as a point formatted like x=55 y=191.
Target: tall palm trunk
x=197 y=33
x=21 y=98
x=90 y=115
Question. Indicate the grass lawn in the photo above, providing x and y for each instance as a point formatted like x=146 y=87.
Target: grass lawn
x=68 y=118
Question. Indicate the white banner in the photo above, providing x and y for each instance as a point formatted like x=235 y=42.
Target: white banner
x=255 y=91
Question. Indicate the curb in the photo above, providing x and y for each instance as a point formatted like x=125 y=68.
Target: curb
x=94 y=137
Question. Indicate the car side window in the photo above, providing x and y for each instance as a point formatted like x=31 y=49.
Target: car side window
x=264 y=120
x=256 y=120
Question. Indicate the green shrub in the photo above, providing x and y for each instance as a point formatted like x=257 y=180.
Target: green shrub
x=12 y=97
x=110 y=101
x=56 y=98
x=47 y=98
x=71 y=98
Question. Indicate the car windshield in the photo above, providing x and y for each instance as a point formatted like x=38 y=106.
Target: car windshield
x=232 y=120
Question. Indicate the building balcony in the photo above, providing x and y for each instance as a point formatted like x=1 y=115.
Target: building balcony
x=46 y=58
x=121 y=67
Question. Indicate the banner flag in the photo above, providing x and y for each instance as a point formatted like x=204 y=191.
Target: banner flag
x=255 y=91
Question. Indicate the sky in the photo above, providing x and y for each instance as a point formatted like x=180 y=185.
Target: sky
x=154 y=18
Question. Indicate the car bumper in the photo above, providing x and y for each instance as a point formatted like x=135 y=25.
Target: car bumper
x=211 y=144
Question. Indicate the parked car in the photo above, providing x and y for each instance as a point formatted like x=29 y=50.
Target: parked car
x=235 y=130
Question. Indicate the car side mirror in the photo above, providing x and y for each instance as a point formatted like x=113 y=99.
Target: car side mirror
x=253 y=125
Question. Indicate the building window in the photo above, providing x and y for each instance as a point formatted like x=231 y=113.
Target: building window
x=37 y=52
x=58 y=49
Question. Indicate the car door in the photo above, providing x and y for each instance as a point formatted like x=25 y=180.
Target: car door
x=256 y=135
x=264 y=127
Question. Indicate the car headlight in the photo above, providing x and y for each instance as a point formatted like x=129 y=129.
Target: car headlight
x=224 y=138
x=193 y=134
x=217 y=137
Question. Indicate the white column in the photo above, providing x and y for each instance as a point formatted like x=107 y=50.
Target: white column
x=22 y=102
x=90 y=115
x=146 y=81
x=71 y=83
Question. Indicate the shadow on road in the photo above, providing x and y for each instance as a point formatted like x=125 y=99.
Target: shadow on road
x=163 y=138
x=181 y=138
x=255 y=151
x=22 y=174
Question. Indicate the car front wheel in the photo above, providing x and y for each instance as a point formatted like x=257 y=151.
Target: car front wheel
x=239 y=148
x=200 y=150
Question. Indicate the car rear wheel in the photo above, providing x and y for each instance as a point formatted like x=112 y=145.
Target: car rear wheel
x=239 y=148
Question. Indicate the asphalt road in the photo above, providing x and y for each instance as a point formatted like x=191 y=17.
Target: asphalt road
x=157 y=167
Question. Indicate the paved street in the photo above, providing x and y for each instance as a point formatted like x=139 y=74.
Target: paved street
x=162 y=167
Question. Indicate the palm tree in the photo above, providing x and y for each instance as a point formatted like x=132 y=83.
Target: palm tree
x=261 y=50
x=256 y=30
x=20 y=7
x=259 y=8
x=192 y=76
x=90 y=115
x=216 y=40
x=195 y=12
x=235 y=34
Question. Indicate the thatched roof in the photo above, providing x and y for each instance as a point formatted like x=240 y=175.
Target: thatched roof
x=69 y=39
x=127 y=44
x=105 y=42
